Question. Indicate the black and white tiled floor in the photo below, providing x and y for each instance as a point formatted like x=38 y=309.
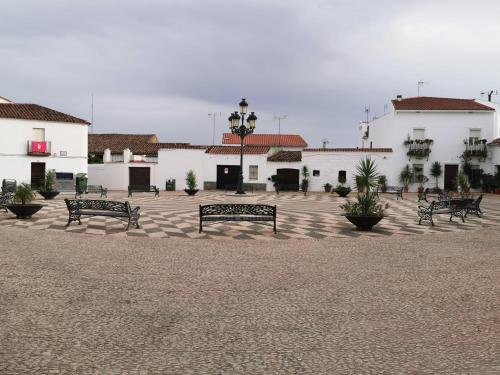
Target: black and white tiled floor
x=316 y=216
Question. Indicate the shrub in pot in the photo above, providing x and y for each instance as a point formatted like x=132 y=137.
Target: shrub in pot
x=191 y=183
x=342 y=190
x=47 y=189
x=22 y=206
x=305 y=180
x=327 y=187
x=382 y=183
x=366 y=211
x=405 y=177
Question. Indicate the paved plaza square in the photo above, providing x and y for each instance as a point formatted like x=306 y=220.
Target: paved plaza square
x=237 y=299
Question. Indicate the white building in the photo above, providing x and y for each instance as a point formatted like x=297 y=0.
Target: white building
x=422 y=130
x=36 y=139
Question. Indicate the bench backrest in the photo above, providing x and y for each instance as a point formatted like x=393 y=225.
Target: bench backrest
x=142 y=188
x=393 y=188
x=438 y=205
x=94 y=204
x=238 y=209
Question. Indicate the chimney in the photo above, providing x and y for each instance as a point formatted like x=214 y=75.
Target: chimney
x=399 y=98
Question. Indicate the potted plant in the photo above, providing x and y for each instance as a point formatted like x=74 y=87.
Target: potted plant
x=47 y=189
x=342 y=190
x=405 y=177
x=436 y=171
x=191 y=183
x=463 y=185
x=382 y=183
x=22 y=206
x=305 y=180
x=359 y=184
x=327 y=187
x=366 y=211
x=276 y=180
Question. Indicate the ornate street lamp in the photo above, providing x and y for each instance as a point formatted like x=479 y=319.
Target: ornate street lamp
x=242 y=131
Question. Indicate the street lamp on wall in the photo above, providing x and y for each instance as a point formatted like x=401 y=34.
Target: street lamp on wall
x=242 y=131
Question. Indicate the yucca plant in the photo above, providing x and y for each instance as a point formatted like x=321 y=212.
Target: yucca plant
x=367 y=174
x=405 y=176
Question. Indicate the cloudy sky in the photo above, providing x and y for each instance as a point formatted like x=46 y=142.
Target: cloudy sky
x=160 y=66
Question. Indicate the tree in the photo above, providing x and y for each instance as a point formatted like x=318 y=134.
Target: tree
x=436 y=171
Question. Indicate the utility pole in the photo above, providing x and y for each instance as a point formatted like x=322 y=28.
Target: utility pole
x=213 y=116
x=92 y=111
x=279 y=118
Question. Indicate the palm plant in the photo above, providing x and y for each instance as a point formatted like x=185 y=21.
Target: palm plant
x=436 y=171
x=305 y=179
x=24 y=194
x=367 y=174
x=463 y=184
x=49 y=181
x=405 y=176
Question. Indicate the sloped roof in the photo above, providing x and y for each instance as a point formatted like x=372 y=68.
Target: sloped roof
x=235 y=150
x=36 y=112
x=349 y=149
x=286 y=156
x=285 y=140
x=427 y=103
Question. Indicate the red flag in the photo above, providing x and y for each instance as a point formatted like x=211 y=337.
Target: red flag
x=39 y=147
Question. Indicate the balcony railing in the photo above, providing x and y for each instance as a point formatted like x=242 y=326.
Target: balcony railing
x=39 y=148
x=475 y=149
x=418 y=148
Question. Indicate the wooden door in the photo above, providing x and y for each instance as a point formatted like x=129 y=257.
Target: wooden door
x=139 y=176
x=37 y=174
x=290 y=178
x=227 y=176
x=450 y=177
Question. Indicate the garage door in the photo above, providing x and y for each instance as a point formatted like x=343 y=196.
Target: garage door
x=139 y=176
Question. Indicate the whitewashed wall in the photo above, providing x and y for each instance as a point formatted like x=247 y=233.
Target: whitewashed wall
x=16 y=164
x=115 y=176
x=448 y=129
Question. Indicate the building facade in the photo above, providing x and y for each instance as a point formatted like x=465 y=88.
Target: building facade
x=37 y=139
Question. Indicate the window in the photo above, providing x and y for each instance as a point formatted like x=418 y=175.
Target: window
x=38 y=135
x=474 y=136
x=315 y=173
x=253 y=173
x=475 y=176
x=342 y=177
x=419 y=133
x=64 y=176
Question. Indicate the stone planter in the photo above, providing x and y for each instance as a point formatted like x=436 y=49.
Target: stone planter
x=48 y=195
x=191 y=191
x=364 y=223
x=24 y=211
x=328 y=188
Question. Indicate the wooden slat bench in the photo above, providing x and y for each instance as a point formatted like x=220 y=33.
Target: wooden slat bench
x=396 y=190
x=237 y=212
x=92 y=189
x=143 y=189
x=454 y=208
x=89 y=207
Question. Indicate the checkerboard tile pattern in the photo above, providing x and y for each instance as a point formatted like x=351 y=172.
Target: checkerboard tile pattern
x=316 y=216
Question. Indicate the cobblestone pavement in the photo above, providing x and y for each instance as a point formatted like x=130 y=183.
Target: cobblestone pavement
x=317 y=215
x=81 y=304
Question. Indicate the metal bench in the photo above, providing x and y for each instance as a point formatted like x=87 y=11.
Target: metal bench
x=8 y=186
x=237 y=212
x=474 y=207
x=92 y=189
x=5 y=199
x=143 y=189
x=87 y=207
x=398 y=191
x=428 y=193
x=454 y=208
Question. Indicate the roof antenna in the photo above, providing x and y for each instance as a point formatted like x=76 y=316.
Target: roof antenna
x=489 y=93
x=325 y=141
x=279 y=118
x=213 y=116
x=367 y=111
x=92 y=111
x=420 y=84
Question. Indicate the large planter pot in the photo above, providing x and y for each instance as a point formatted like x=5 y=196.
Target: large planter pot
x=364 y=223
x=191 y=191
x=24 y=211
x=342 y=193
x=49 y=194
x=328 y=188
x=497 y=191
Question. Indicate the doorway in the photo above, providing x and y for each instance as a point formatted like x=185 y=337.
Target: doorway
x=37 y=174
x=139 y=176
x=227 y=176
x=289 y=178
x=450 y=177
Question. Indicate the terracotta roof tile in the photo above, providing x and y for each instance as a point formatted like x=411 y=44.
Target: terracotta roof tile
x=36 y=112
x=495 y=142
x=286 y=156
x=235 y=150
x=426 y=103
x=351 y=149
x=285 y=140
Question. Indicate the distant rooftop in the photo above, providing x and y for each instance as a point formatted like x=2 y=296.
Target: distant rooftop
x=427 y=103
x=273 y=140
x=21 y=111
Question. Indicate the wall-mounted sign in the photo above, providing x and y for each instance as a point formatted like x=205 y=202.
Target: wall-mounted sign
x=63 y=153
x=226 y=170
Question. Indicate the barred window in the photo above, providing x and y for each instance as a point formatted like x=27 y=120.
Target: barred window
x=253 y=172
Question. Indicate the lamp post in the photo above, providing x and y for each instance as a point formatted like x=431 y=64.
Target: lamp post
x=242 y=131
